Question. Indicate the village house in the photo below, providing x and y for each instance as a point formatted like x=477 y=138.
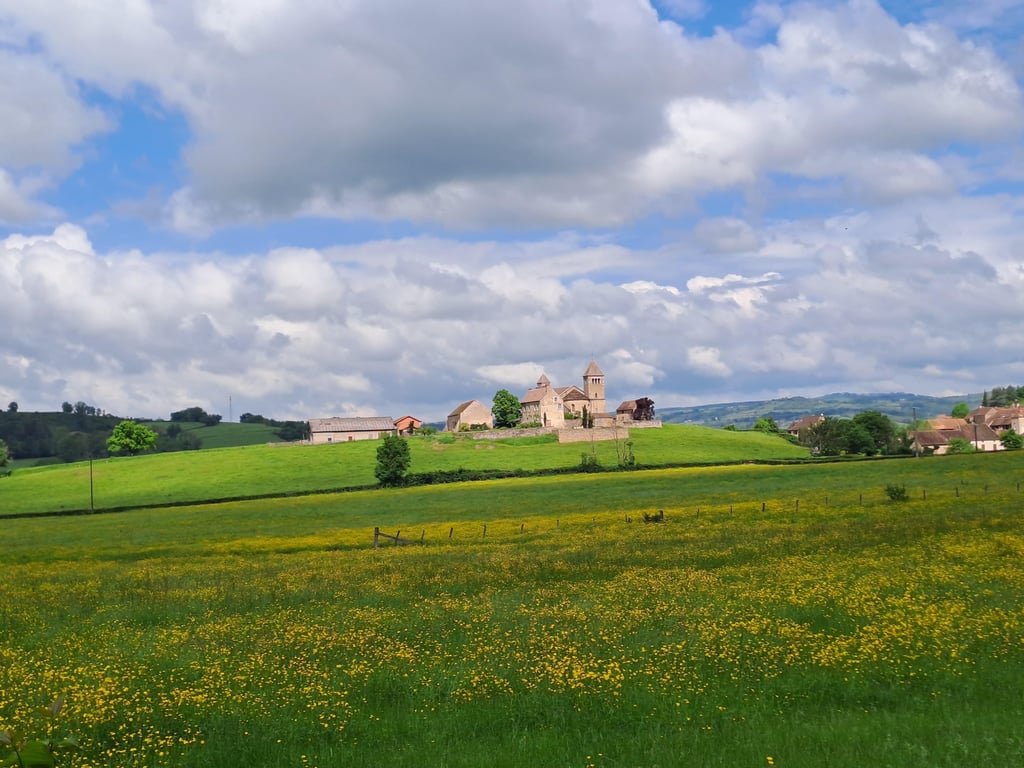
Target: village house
x=999 y=419
x=406 y=425
x=469 y=414
x=346 y=430
x=804 y=422
x=936 y=441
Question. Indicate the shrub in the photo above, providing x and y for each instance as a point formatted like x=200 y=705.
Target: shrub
x=589 y=462
x=896 y=492
x=393 y=461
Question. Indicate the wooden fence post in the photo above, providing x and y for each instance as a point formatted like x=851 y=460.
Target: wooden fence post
x=450 y=532
x=376 y=537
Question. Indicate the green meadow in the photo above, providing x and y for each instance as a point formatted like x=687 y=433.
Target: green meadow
x=193 y=476
x=778 y=616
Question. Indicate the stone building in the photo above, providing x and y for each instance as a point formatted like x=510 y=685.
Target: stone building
x=471 y=413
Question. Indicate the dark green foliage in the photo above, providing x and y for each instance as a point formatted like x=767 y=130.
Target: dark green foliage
x=12 y=407
x=1003 y=396
x=32 y=435
x=4 y=455
x=589 y=463
x=507 y=409
x=289 y=431
x=38 y=750
x=897 y=492
x=880 y=429
x=1011 y=440
x=393 y=460
x=587 y=419
x=767 y=425
x=130 y=438
x=960 y=411
x=959 y=445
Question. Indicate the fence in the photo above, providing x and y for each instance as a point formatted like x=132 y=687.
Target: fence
x=723 y=510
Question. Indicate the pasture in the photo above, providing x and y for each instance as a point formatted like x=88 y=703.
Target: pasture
x=745 y=630
x=195 y=476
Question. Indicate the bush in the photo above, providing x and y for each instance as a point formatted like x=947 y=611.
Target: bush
x=589 y=463
x=393 y=461
x=896 y=492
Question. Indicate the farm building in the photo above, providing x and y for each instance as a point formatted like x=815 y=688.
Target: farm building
x=406 y=425
x=469 y=414
x=346 y=430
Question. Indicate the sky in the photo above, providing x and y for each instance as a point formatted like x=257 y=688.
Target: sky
x=309 y=208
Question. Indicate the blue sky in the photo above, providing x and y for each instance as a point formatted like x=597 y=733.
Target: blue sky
x=357 y=208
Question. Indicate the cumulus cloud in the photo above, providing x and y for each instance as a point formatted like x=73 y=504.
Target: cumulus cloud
x=360 y=329
x=582 y=113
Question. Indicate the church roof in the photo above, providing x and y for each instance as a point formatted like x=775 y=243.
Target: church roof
x=593 y=370
x=543 y=381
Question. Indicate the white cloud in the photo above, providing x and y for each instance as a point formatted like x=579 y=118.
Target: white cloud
x=707 y=360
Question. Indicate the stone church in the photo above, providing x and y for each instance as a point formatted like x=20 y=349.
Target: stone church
x=564 y=406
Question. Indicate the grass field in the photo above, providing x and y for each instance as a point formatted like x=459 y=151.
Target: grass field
x=846 y=630
x=222 y=435
x=264 y=469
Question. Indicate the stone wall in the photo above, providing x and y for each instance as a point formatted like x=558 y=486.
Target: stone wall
x=596 y=434
x=505 y=434
x=652 y=424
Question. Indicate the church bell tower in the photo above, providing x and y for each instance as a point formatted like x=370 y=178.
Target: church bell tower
x=593 y=388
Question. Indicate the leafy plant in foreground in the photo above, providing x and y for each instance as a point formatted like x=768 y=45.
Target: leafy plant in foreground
x=28 y=752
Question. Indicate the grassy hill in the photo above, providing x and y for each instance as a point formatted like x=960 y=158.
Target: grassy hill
x=265 y=469
x=224 y=434
x=898 y=406
x=843 y=630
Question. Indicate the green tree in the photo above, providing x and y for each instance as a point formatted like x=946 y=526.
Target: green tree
x=959 y=445
x=4 y=455
x=826 y=438
x=960 y=411
x=767 y=425
x=880 y=428
x=130 y=438
x=507 y=409
x=1011 y=440
x=67 y=407
x=857 y=439
x=393 y=461
x=12 y=407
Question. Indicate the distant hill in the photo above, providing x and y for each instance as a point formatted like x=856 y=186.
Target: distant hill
x=899 y=406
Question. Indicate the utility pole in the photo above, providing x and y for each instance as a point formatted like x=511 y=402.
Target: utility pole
x=917 y=444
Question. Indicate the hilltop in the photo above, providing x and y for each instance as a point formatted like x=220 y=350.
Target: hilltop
x=898 y=406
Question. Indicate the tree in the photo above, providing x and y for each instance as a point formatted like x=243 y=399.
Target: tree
x=12 y=407
x=826 y=438
x=130 y=438
x=67 y=407
x=644 y=410
x=960 y=411
x=767 y=425
x=393 y=461
x=880 y=428
x=959 y=445
x=4 y=455
x=857 y=439
x=507 y=409
x=1011 y=440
